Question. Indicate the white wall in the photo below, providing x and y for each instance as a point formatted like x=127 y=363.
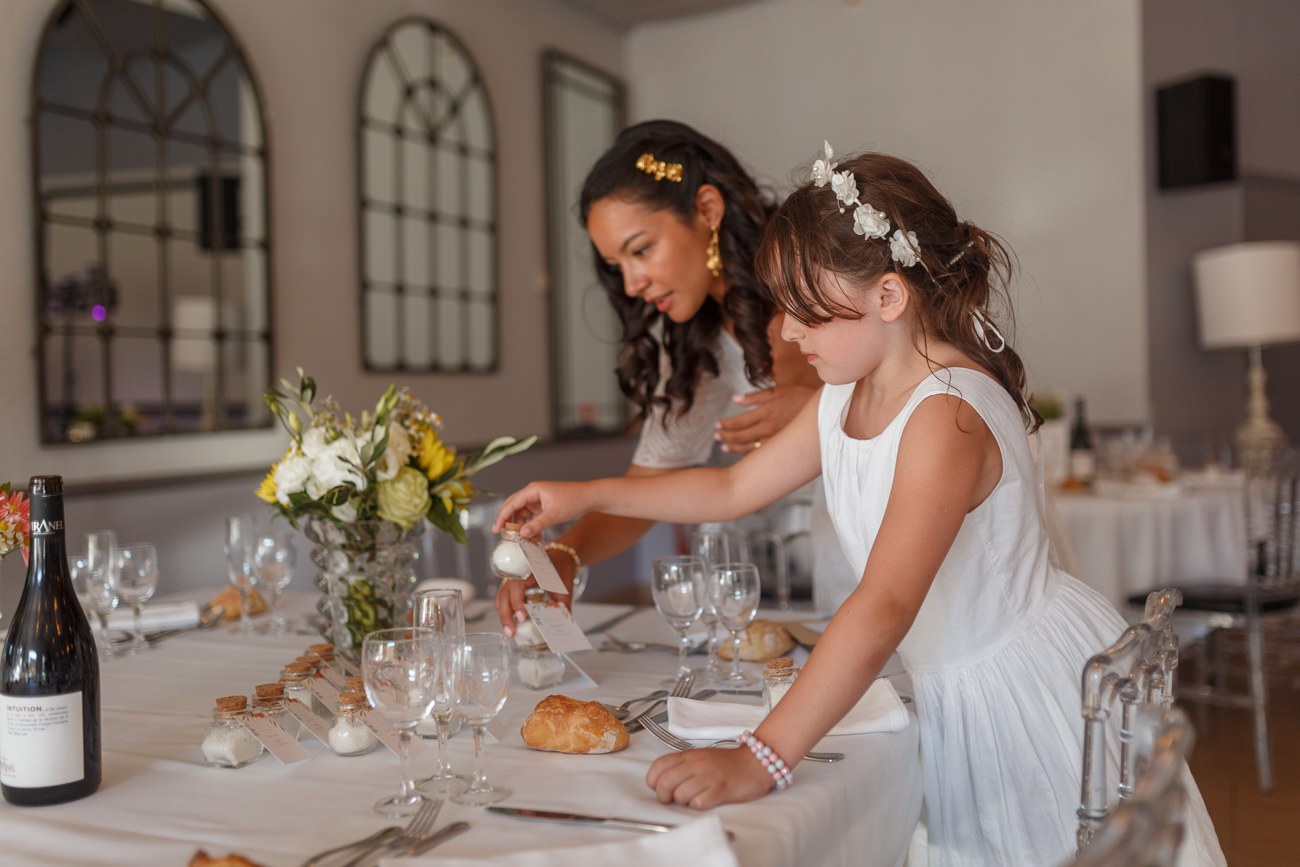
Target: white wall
x=1027 y=114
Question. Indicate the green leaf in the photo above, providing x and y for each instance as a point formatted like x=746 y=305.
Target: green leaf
x=496 y=451
x=448 y=523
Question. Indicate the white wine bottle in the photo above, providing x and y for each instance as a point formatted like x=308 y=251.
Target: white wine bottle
x=49 y=673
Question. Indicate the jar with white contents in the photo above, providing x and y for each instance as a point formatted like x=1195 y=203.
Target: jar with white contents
x=349 y=736
x=778 y=675
x=227 y=743
x=508 y=559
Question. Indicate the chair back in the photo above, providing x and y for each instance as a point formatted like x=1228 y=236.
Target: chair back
x=1146 y=829
x=1272 y=522
x=1137 y=671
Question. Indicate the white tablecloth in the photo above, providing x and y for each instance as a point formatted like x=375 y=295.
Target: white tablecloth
x=159 y=803
x=1125 y=542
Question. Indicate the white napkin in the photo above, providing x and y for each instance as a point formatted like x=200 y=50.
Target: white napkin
x=879 y=710
x=160 y=615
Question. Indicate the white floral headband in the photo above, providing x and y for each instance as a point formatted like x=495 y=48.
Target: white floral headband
x=903 y=249
x=867 y=221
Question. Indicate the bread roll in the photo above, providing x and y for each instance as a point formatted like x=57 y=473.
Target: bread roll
x=762 y=640
x=202 y=859
x=565 y=725
x=228 y=601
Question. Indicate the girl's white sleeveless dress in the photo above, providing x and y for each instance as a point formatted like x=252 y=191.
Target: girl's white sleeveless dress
x=997 y=650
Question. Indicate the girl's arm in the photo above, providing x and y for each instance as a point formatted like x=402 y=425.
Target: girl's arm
x=795 y=383
x=948 y=462
x=790 y=460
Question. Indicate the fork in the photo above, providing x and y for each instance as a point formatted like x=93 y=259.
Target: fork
x=377 y=839
x=415 y=832
x=681 y=744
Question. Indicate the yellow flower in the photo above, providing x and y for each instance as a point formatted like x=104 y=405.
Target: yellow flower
x=404 y=498
x=266 y=490
x=435 y=458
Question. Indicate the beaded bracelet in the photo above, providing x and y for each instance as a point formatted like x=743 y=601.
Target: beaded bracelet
x=568 y=549
x=767 y=757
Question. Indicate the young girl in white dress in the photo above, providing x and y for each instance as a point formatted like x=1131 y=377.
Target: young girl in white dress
x=920 y=436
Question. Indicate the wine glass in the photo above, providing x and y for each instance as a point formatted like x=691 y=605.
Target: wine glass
x=677 y=586
x=79 y=566
x=716 y=543
x=241 y=533
x=484 y=683
x=734 y=592
x=397 y=667
x=275 y=554
x=136 y=583
x=443 y=611
x=101 y=578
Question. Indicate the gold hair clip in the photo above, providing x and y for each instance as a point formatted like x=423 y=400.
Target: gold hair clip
x=651 y=166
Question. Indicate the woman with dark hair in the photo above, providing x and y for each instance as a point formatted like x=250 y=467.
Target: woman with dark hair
x=674 y=222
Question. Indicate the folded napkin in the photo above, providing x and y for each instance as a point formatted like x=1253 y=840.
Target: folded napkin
x=879 y=710
x=161 y=615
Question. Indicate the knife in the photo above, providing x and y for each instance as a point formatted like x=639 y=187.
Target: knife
x=612 y=622
x=580 y=819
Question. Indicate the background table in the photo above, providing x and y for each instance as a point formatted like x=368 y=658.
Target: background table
x=1126 y=541
x=159 y=803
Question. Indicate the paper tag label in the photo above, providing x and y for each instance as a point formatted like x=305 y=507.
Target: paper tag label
x=277 y=741
x=557 y=626
x=334 y=675
x=345 y=665
x=323 y=690
x=543 y=569
x=387 y=732
x=42 y=740
x=310 y=719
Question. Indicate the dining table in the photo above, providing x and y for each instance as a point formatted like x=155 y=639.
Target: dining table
x=159 y=803
x=1123 y=537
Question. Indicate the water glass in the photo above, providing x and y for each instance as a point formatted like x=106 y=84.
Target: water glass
x=274 y=557
x=241 y=536
x=484 y=684
x=398 y=668
x=136 y=583
x=443 y=611
x=716 y=543
x=734 y=591
x=677 y=585
x=102 y=566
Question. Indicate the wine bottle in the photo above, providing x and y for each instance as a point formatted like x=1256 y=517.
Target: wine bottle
x=1083 y=458
x=49 y=673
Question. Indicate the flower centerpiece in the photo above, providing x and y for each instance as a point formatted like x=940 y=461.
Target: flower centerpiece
x=15 y=522
x=361 y=490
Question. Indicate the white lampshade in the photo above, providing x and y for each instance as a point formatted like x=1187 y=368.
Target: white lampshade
x=193 y=318
x=1248 y=294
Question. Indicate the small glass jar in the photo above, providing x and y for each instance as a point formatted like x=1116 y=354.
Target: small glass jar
x=778 y=674
x=536 y=666
x=294 y=678
x=508 y=559
x=270 y=701
x=226 y=742
x=349 y=736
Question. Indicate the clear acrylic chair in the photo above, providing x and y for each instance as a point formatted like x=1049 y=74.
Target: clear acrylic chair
x=1135 y=672
x=1235 y=613
x=1146 y=829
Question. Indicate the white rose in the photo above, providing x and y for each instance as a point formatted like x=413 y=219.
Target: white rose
x=869 y=222
x=336 y=465
x=313 y=442
x=291 y=476
x=903 y=250
x=396 y=455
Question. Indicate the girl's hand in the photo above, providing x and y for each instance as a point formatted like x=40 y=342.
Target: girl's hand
x=706 y=778
x=542 y=504
x=510 y=595
x=773 y=409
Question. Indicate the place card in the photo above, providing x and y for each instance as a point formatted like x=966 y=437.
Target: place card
x=335 y=676
x=556 y=624
x=276 y=740
x=324 y=691
x=310 y=719
x=543 y=569
x=388 y=734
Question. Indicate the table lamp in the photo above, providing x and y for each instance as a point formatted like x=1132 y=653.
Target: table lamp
x=1248 y=295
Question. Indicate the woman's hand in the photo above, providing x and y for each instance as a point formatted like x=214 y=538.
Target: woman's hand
x=706 y=778
x=773 y=408
x=544 y=504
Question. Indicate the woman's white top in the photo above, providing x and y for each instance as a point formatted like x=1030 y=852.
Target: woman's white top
x=997 y=650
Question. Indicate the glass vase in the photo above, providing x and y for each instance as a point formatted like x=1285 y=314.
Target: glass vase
x=366 y=577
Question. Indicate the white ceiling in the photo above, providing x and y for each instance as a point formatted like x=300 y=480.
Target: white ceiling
x=628 y=13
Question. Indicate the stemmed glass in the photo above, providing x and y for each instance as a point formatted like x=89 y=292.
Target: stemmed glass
x=275 y=554
x=734 y=592
x=677 y=584
x=716 y=543
x=443 y=611
x=241 y=535
x=397 y=666
x=136 y=584
x=101 y=578
x=484 y=683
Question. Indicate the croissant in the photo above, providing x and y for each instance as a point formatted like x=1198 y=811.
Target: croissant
x=761 y=640
x=565 y=725
x=202 y=859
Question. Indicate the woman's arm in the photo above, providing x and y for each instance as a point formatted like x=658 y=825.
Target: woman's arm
x=796 y=381
x=948 y=462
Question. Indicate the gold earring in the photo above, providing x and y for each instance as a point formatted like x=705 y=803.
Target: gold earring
x=713 y=258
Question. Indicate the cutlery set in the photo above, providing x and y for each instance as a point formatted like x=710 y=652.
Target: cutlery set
x=415 y=839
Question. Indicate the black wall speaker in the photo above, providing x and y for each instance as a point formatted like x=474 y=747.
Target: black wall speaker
x=218 y=205
x=1196 y=132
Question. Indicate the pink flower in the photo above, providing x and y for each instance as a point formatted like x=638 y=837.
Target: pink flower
x=15 y=521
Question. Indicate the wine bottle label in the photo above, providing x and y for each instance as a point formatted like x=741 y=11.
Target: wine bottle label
x=1083 y=464
x=41 y=740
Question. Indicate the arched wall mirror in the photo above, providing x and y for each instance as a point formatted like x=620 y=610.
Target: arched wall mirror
x=584 y=110
x=427 y=179
x=150 y=197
